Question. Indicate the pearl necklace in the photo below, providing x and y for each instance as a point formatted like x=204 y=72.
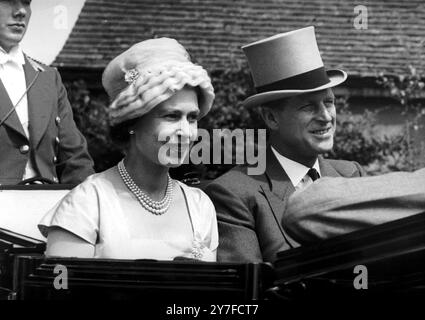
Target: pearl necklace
x=154 y=207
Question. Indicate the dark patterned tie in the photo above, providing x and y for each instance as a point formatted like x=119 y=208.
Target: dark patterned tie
x=313 y=174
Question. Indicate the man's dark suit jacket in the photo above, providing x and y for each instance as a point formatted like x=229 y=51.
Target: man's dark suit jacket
x=250 y=208
x=58 y=149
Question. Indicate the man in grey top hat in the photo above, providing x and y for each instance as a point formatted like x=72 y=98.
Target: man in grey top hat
x=38 y=136
x=298 y=107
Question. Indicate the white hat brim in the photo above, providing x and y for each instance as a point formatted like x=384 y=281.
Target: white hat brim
x=335 y=76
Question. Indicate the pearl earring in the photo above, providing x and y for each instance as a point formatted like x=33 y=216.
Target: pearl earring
x=131 y=132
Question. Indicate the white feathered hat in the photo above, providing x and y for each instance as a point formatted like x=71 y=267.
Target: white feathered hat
x=149 y=73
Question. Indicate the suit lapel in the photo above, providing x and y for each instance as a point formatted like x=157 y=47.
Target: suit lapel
x=6 y=105
x=280 y=184
x=326 y=169
x=280 y=188
x=278 y=191
x=39 y=103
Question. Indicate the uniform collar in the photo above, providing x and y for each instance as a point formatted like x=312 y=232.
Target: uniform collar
x=295 y=170
x=15 y=55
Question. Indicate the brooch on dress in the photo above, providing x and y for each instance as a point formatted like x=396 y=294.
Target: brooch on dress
x=131 y=75
x=197 y=249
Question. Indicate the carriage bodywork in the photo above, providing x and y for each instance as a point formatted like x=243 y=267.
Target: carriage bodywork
x=392 y=253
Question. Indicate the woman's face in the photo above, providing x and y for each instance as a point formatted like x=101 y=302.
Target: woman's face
x=164 y=135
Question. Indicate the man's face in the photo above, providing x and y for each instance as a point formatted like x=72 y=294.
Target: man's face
x=305 y=125
x=14 y=18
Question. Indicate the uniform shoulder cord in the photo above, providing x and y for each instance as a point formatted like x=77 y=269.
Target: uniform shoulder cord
x=20 y=99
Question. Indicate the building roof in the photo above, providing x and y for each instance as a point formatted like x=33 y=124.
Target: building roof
x=214 y=30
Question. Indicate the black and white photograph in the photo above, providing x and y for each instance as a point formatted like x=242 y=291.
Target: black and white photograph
x=212 y=159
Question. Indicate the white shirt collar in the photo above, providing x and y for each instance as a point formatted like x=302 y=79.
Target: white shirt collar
x=295 y=171
x=16 y=55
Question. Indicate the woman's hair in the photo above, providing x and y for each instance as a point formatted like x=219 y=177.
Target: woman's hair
x=120 y=133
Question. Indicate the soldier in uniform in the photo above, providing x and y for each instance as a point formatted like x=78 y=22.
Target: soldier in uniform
x=38 y=135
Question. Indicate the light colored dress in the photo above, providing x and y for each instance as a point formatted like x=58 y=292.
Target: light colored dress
x=103 y=212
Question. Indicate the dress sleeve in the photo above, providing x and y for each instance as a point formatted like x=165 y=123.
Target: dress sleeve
x=77 y=212
x=210 y=222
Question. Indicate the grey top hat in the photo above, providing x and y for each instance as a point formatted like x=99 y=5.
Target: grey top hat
x=288 y=64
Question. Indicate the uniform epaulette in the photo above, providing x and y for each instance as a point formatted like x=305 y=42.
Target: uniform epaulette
x=37 y=65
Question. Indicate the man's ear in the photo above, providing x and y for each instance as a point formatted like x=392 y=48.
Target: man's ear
x=269 y=117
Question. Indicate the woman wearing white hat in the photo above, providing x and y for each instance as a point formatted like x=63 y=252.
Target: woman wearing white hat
x=135 y=210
